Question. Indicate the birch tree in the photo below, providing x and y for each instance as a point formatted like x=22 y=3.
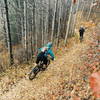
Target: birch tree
x=90 y=9
x=59 y=22
x=9 y=34
x=25 y=29
x=33 y=26
x=46 y=23
x=83 y=7
x=42 y=21
x=75 y=17
x=53 y=20
x=36 y=30
x=69 y=19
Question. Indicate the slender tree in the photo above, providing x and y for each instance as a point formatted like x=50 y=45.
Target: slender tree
x=9 y=35
x=36 y=28
x=90 y=9
x=53 y=20
x=25 y=29
x=83 y=7
x=75 y=17
x=59 y=22
x=69 y=19
x=42 y=21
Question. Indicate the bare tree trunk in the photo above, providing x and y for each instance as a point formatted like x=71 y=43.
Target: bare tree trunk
x=68 y=24
x=49 y=21
x=9 y=35
x=33 y=26
x=75 y=17
x=22 y=28
x=53 y=21
x=42 y=23
x=36 y=30
x=18 y=21
x=90 y=9
x=21 y=24
x=82 y=9
x=4 y=26
x=59 y=23
x=25 y=28
x=5 y=35
x=31 y=40
x=33 y=29
x=46 y=23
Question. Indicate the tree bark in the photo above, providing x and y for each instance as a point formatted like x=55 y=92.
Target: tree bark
x=46 y=24
x=59 y=23
x=75 y=17
x=9 y=35
x=53 y=21
x=69 y=19
x=90 y=9
x=25 y=29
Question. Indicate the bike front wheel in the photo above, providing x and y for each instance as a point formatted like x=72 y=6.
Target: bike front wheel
x=33 y=73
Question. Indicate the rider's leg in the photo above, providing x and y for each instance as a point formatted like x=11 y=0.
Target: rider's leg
x=37 y=60
x=81 y=36
x=45 y=62
x=39 y=57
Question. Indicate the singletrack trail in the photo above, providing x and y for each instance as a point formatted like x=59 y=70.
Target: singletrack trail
x=48 y=82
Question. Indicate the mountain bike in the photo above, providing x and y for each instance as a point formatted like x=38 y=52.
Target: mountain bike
x=39 y=67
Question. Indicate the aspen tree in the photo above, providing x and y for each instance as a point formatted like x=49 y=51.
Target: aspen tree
x=59 y=22
x=90 y=9
x=25 y=29
x=69 y=19
x=53 y=20
x=9 y=35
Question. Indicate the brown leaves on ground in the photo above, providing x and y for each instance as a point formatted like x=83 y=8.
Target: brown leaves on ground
x=95 y=84
x=80 y=85
x=67 y=78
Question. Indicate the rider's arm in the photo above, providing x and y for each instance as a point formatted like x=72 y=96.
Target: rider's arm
x=50 y=52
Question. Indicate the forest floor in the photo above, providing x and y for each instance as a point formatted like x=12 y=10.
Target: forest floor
x=66 y=78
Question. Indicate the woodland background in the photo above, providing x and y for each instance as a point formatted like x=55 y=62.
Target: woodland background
x=26 y=25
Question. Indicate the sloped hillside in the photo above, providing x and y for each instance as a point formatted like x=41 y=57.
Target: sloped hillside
x=67 y=78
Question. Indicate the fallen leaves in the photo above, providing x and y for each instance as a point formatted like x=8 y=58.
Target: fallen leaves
x=95 y=83
x=78 y=87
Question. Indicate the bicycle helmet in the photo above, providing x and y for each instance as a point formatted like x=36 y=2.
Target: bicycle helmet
x=49 y=45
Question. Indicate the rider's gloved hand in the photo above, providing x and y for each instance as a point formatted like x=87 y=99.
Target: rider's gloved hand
x=52 y=59
x=35 y=64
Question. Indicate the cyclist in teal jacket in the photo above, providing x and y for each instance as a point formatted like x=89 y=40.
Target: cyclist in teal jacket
x=44 y=52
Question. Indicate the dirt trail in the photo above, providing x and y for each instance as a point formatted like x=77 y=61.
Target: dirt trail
x=48 y=82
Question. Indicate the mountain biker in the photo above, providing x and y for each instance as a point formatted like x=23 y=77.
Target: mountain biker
x=81 y=32
x=44 y=52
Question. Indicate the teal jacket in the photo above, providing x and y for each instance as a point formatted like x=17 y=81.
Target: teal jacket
x=49 y=51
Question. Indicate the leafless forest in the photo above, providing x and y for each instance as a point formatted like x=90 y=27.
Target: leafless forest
x=26 y=25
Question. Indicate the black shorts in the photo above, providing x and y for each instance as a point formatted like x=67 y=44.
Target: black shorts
x=81 y=34
x=42 y=57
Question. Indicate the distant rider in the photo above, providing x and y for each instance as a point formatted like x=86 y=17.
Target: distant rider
x=81 y=32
